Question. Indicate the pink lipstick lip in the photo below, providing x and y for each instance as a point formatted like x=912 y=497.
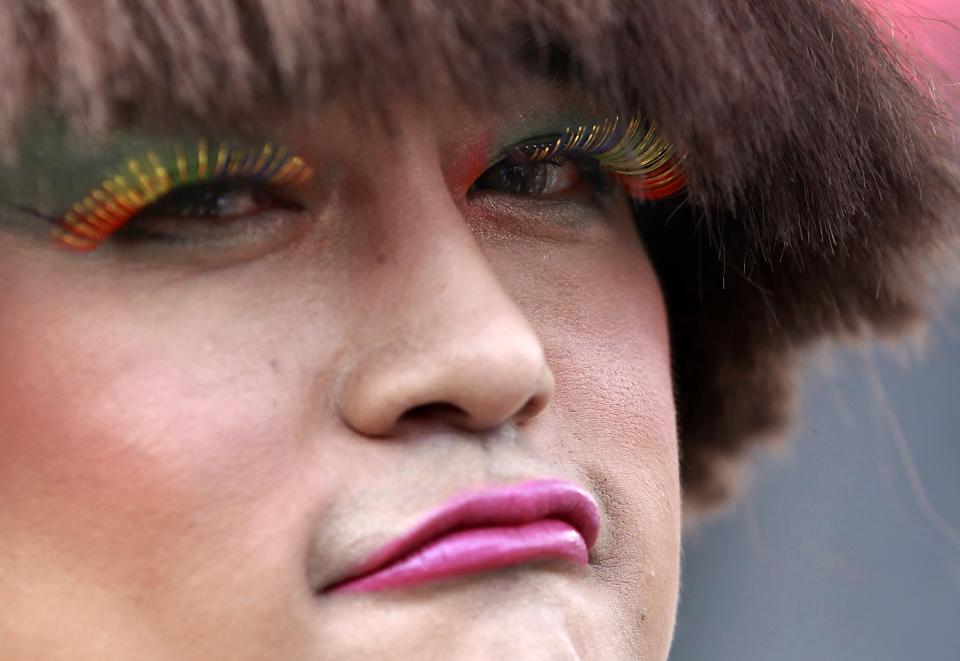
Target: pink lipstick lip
x=484 y=529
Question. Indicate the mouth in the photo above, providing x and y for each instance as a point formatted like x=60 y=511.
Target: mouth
x=480 y=531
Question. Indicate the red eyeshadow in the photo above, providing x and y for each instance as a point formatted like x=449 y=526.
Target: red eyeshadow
x=467 y=166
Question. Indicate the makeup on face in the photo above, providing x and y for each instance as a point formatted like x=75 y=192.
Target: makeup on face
x=138 y=178
x=480 y=531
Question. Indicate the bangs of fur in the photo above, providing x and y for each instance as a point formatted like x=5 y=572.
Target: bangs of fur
x=822 y=174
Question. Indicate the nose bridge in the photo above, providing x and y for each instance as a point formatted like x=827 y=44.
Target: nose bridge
x=443 y=337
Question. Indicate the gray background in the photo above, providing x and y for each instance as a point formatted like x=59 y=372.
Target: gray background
x=847 y=545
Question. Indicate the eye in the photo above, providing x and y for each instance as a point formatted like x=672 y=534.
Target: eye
x=624 y=153
x=539 y=179
x=177 y=195
x=227 y=200
x=200 y=211
x=219 y=200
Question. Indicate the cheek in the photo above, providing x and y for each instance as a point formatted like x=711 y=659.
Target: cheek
x=614 y=379
x=615 y=388
x=604 y=325
x=139 y=439
x=96 y=397
x=137 y=434
x=615 y=356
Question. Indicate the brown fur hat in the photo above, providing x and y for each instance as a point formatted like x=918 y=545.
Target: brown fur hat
x=821 y=179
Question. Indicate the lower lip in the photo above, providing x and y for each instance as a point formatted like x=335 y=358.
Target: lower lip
x=476 y=550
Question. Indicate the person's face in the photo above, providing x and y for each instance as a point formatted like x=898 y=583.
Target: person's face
x=196 y=439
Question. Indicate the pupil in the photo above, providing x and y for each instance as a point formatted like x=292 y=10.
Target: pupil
x=203 y=201
x=526 y=178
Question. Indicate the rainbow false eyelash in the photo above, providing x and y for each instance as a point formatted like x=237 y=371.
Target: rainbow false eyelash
x=643 y=162
x=144 y=179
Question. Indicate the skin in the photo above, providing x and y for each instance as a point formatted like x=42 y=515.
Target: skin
x=192 y=441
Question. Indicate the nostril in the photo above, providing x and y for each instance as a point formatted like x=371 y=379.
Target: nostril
x=452 y=414
x=437 y=411
x=531 y=408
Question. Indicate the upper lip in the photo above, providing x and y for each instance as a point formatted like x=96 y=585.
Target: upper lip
x=513 y=504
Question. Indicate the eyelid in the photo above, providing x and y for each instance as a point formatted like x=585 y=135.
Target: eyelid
x=145 y=178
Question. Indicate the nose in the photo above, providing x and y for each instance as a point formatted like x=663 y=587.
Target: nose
x=441 y=338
